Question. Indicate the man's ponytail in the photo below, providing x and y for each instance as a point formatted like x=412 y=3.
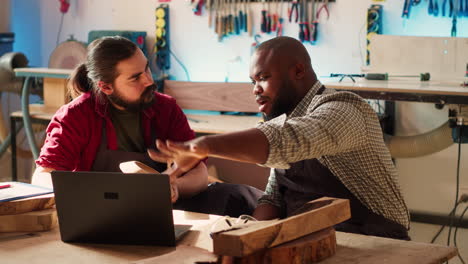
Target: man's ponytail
x=79 y=82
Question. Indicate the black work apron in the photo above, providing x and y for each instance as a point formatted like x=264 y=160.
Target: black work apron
x=109 y=160
x=309 y=180
x=218 y=198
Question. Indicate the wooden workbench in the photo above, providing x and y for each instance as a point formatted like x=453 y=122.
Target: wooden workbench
x=404 y=89
x=46 y=247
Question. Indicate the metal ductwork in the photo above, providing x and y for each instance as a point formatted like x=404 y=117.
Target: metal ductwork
x=420 y=145
x=8 y=62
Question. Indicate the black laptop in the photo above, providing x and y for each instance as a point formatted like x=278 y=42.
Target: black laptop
x=115 y=208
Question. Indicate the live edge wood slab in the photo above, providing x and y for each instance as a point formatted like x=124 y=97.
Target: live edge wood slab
x=319 y=214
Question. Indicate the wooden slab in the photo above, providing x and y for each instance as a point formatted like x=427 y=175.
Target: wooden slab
x=217 y=124
x=41 y=202
x=213 y=96
x=308 y=249
x=266 y=234
x=136 y=167
x=29 y=222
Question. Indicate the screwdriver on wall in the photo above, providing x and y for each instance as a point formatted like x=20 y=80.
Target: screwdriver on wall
x=381 y=76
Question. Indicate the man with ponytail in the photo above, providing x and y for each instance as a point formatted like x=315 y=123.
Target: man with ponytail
x=117 y=116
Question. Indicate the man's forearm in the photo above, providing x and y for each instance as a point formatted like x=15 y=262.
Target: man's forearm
x=193 y=182
x=249 y=146
x=266 y=211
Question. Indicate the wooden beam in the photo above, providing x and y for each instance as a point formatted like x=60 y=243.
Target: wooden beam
x=237 y=97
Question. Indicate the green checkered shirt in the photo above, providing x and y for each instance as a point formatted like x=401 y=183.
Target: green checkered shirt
x=342 y=131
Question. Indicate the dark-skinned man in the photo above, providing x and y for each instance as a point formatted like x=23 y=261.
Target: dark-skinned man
x=317 y=141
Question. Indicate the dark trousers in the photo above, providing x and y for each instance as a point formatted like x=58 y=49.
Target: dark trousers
x=374 y=225
x=222 y=199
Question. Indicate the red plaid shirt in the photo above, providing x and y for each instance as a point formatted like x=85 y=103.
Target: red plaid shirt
x=74 y=133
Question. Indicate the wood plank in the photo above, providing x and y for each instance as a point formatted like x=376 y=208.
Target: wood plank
x=354 y=248
x=29 y=222
x=136 y=167
x=41 y=202
x=216 y=124
x=312 y=248
x=212 y=96
x=266 y=234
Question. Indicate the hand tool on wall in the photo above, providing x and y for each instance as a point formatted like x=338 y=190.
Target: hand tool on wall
x=241 y=16
x=443 y=7
x=219 y=20
x=231 y=18
x=306 y=21
x=264 y=23
x=313 y=25
x=197 y=10
x=236 y=19
x=451 y=6
x=461 y=11
x=323 y=7
x=268 y=26
x=436 y=8
x=407 y=8
x=274 y=17
x=249 y=20
x=301 y=21
x=225 y=18
x=454 y=18
x=279 y=29
x=433 y=8
x=466 y=8
x=294 y=9
x=209 y=7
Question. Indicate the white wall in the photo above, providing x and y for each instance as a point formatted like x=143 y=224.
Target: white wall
x=428 y=182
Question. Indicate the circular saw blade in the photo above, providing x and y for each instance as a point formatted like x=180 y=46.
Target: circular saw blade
x=68 y=55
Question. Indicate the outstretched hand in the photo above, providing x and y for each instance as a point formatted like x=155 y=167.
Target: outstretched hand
x=184 y=155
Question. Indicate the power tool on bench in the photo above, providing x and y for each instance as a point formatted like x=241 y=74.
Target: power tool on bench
x=380 y=76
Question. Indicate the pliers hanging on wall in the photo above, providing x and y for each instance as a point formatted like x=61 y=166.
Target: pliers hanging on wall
x=294 y=8
x=323 y=7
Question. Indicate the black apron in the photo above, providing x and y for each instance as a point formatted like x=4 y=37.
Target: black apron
x=218 y=198
x=309 y=180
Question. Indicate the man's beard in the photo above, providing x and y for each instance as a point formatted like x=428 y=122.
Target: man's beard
x=284 y=102
x=145 y=101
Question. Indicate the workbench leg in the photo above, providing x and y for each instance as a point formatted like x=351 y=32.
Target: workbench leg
x=5 y=144
x=14 y=175
x=27 y=118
